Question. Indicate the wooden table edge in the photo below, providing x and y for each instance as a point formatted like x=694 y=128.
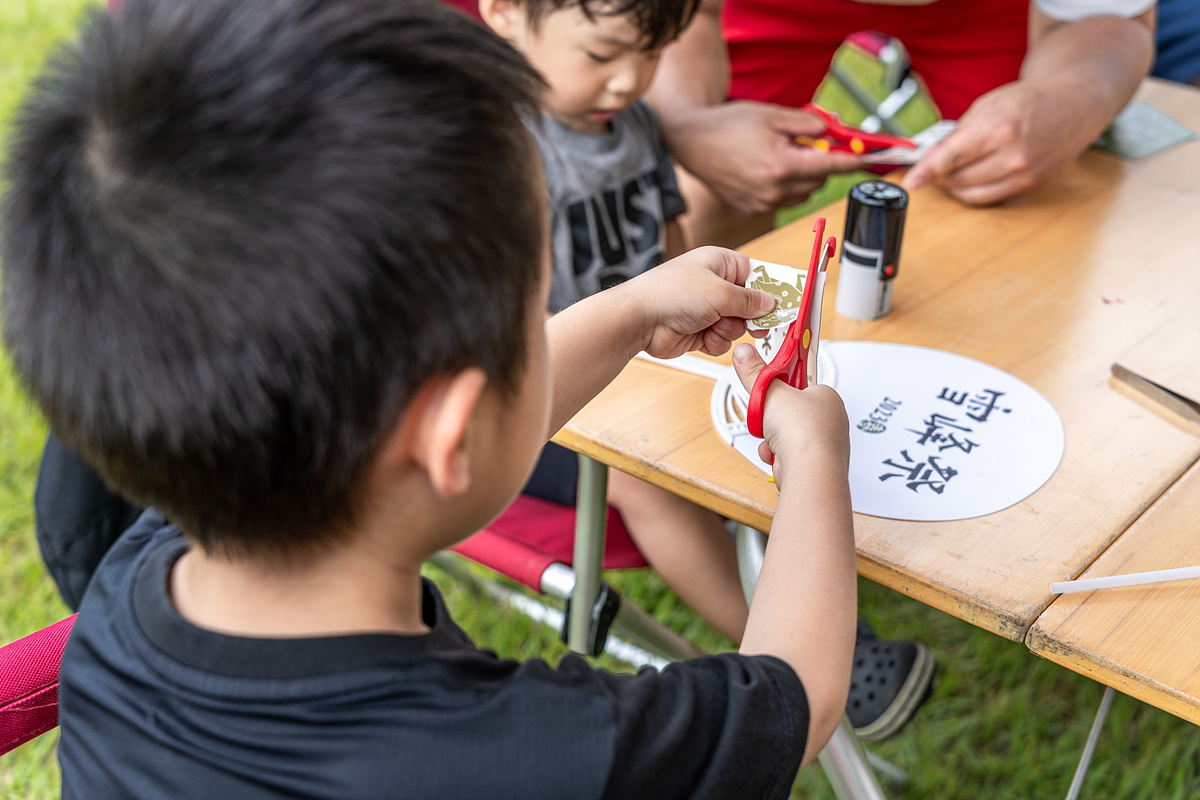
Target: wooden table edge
x=1004 y=623
x=1108 y=673
x=1102 y=669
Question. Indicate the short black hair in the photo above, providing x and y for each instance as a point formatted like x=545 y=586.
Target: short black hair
x=658 y=21
x=240 y=234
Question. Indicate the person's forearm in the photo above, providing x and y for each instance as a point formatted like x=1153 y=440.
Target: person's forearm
x=590 y=342
x=1094 y=64
x=805 y=601
x=694 y=71
x=676 y=239
x=694 y=302
x=744 y=151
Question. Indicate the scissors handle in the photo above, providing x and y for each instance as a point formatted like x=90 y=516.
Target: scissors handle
x=790 y=363
x=845 y=138
x=783 y=366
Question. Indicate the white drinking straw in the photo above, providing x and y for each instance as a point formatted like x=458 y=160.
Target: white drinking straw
x=1129 y=579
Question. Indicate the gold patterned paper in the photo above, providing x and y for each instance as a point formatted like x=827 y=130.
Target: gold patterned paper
x=781 y=282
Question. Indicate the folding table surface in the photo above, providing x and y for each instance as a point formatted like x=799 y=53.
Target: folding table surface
x=1051 y=287
x=1143 y=641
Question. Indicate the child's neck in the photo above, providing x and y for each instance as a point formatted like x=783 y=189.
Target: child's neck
x=353 y=589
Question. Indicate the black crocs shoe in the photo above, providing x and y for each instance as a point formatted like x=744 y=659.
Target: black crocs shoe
x=888 y=680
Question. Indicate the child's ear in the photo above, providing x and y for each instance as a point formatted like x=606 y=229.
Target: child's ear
x=440 y=418
x=502 y=16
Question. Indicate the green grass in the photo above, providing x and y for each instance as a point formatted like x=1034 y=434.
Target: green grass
x=28 y=600
x=1000 y=723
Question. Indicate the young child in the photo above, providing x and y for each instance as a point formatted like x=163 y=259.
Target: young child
x=278 y=270
x=613 y=205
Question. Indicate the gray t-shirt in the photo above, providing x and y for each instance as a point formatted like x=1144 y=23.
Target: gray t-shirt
x=609 y=196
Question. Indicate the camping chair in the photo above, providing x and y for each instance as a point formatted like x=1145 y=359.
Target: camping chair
x=29 y=684
x=532 y=543
x=870 y=84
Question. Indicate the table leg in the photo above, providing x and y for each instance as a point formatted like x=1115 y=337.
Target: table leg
x=591 y=511
x=843 y=759
x=1090 y=748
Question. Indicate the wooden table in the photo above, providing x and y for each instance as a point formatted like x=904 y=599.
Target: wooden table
x=1053 y=288
x=1143 y=641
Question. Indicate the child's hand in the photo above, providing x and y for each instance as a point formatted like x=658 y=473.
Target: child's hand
x=697 y=302
x=797 y=425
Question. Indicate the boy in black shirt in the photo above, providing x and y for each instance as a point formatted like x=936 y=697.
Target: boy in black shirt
x=278 y=269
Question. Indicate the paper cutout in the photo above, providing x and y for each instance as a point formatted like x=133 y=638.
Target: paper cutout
x=933 y=435
x=924 y=141
x=782 y=282
x=768 y=345
x=730 y=400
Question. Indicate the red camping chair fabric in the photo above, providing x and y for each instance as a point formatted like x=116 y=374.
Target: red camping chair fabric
x=29 y=684
x=532 y=534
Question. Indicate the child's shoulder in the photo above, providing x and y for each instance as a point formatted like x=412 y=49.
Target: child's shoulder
x=115 y=573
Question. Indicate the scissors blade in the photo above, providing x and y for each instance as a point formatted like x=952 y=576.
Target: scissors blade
x=826 y=253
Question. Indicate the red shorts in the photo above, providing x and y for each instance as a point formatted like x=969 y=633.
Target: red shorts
x=781 y=49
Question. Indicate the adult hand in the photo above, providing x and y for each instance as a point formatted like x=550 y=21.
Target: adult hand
x=744 y=151
x=696 y=302
x=1009 y=141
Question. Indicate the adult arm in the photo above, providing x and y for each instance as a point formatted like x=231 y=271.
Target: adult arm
x=676 y=239
x=743 y=150
x=694 y=302
x=1075 y=77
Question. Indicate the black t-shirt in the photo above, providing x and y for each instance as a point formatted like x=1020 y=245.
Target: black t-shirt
x=154 y=707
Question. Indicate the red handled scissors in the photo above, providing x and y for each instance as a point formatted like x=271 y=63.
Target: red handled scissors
x=790 y=363
x=844 y=138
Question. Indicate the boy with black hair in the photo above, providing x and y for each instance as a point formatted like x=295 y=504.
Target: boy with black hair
x=278 y=270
